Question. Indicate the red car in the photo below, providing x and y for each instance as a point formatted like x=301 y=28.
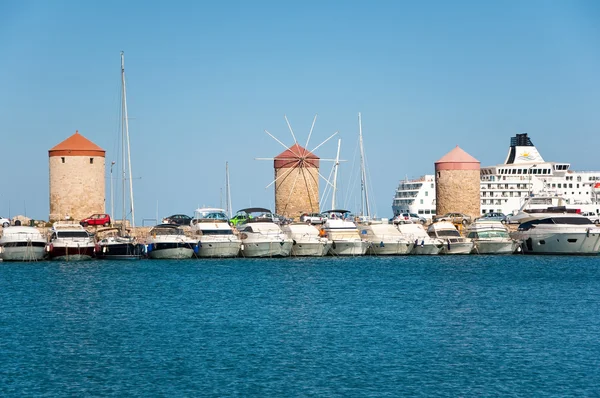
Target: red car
x=96 y=219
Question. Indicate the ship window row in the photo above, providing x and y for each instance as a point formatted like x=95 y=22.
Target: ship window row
x=526 y=171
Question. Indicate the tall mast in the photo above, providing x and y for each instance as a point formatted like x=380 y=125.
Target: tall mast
x=126 y=141
x=335 y=170
x=364 y=205
x=227 y=191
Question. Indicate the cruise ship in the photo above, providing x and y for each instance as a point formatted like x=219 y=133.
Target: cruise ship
x=504 y=187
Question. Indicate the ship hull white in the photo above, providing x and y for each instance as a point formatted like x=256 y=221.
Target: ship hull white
x=426 y=249
x=175 y=253
x=215 y=249
x=572 y=243
x=390 y=248
x=457 y=248
x=495 y=247
x=23 y=253
x=310 y=249
x=348 y=248
x=266 y=249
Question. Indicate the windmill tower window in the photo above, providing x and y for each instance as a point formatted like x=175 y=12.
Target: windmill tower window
x=62 y=159
x=91 y=160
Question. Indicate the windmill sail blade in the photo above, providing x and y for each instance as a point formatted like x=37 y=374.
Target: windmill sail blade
x=282 y=144
x=282 y=175
x=310 y=132
x=291 y=131
x=318 y=146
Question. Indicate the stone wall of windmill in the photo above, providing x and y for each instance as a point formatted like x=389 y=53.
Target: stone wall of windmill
x=296 y=182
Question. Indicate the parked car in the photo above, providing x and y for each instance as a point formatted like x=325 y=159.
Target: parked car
x=178 y=219
x=96 y=219
x=5 y=222
x=312 y=218
x=238 y=218
x=592 y=215
x=409 y=218
x=494 y=217
x=455 y=218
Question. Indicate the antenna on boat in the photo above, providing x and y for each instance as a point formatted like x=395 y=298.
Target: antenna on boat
x=335 y=168
x=227 y=190
x=364 y=205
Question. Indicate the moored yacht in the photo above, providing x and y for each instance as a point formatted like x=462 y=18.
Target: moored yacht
x=307 y=240
x=385 y=239
x=261 y=236
x=344 y=235
x=423 y=244
x=118 y=245
x=454 y=243
x=215 y=236
x=168 y=241
x=491 y=237
x=20 y=243
x=70 y=242
x=557 y=230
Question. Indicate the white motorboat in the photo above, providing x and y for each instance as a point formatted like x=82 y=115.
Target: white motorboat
x=261 y=236
x=70 y=242
x=557 y=231
x=491 y=237
x=215 y=236
x=344 y=235
x=453 y=242
x=116 y=244
x=168 y=241
x=423 y=243
x=307 y=240
x=385 y=239
x=20 y=243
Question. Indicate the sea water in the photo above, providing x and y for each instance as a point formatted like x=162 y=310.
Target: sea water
x=387 y=326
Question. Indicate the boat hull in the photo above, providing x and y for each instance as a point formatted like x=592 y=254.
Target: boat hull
x=310 y=249
x=571 y=243
x=457 y=248
x=23 y=253
x=266 y=249
x=495 y=246
x=348 y=248
x=389 y=248
x=173 y=253
x=67 y=253
x=427 y=249
x=216 y=249
x=121 y=251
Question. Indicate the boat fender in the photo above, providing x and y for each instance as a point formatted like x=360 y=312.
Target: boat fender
x=422 y=243
x=333 y=245
x=381 y=244
x=448 y=244
x=150 y=247
x=281 y=243
x=294 y=242
x=322 y=232
x=242 y=246
x=196 y=248
x=97 y=248
x=104 y=249
x=587 y=233
x=49 y=247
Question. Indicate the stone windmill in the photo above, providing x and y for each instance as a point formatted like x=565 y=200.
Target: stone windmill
x=296 y=176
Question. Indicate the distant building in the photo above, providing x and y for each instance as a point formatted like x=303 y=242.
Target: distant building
x=77 y=179
x=457 y=184
x=296 y=182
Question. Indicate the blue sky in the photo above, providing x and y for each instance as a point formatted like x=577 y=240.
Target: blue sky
x=205 y=79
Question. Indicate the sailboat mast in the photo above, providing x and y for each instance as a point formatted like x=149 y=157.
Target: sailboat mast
x=126 y=138
x=335 y=170
x=365 y=208
x=227 y=191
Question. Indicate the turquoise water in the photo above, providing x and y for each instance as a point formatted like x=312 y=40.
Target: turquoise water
x=398 y=326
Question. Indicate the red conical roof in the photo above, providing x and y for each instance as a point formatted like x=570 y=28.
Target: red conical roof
x=76 y=145
x=457 y=159
x=293 y=158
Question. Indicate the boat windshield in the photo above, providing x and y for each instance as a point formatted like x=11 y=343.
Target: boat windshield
x=211 y=215
x=167 y=231
x=556 y=220
x=488 y=234
x=445 y=233
x=72 y=234
x=217 y=232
